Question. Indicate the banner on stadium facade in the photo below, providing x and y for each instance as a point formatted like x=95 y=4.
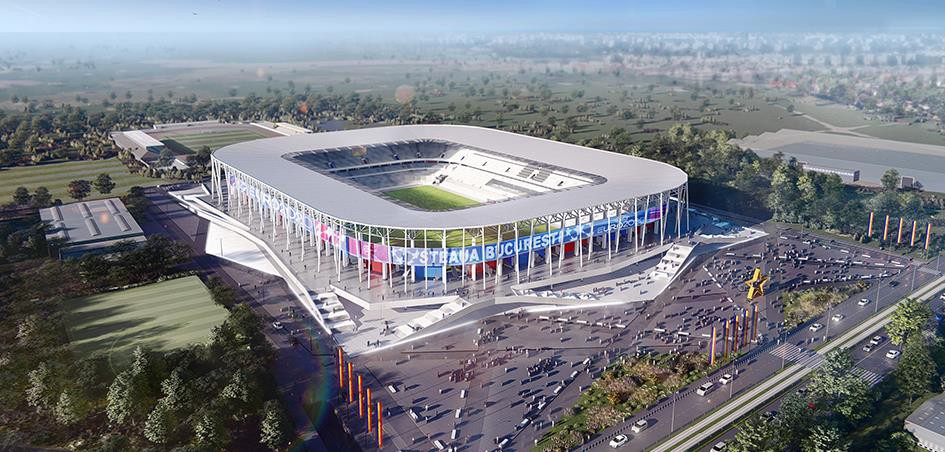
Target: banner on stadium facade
x=452 y=255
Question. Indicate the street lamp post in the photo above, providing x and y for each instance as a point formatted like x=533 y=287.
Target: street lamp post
x=672 y=417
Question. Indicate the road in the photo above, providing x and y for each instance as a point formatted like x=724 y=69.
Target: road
x=758 y=395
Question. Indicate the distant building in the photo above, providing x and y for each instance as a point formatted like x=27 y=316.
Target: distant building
x=848 y=175
x=90 y=226
x=927 y=423
x=282 y=128
x=145 y=148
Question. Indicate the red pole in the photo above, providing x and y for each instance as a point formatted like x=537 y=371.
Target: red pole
x=341 y=370
x=928 y=236
x=725 y=341
x=754 y=324
x=735 y=335
x=360 y=397
x=350 y=382
x=370 y=427
x=869 y=231
x=380 y=426
x=712 y=348
x=745 y=329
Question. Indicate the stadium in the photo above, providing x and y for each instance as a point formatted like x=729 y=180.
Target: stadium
x=420 y=211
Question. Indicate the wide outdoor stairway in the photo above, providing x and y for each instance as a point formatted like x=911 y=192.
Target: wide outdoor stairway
x=672 y=261
x=430 y=318
x=334 y=313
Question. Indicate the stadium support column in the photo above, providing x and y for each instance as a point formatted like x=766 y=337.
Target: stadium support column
x=687 y=206
x=619 y=228
x=531 y=235
x=590 y=240
x=636 y=227
x=561 y=243
x=462 y=258
x=518 y=273
x=607 y=237
x=646 y=220
x=445 y=262
x=482 y=255
x=662 y=220
x=580 y=240
x=548 y=248
x=678 y=212
x=388 y=266
x=411 y=270
x=357 y=249
x=338 y=240
x=498 y=255
x=317 y=230
x=426 y=262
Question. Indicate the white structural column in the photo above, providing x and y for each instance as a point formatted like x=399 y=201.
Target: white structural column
x=531 y=233
x=518 y=274
x=590 y=242
x=482 y=256
x=580 y=240
x=498 y=260
x=462 y=259
x=445 y=257
x=607 y=236
x=561 y=243
x=548 y=248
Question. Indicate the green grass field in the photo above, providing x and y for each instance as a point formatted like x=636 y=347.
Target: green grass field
x=188 y=144
x=56 y=178
x=428 y=197
x=160 y=316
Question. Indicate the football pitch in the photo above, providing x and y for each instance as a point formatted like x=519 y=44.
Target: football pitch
x=428 y=197
x=56 y=177
x=160 y=316
x=188 y=144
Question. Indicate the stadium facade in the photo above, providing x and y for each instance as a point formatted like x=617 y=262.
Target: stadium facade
x=532 y=202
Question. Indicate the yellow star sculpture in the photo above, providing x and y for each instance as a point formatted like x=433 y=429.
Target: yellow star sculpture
x=756 y=285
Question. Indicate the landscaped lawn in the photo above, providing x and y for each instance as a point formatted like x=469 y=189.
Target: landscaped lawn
x=188 y=144
x=428 y=197
x=56 y=177
x=160 y=316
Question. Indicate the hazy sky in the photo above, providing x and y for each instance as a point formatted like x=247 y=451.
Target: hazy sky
x=405 y=16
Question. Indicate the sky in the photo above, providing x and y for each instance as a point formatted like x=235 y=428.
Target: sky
x=482 y=16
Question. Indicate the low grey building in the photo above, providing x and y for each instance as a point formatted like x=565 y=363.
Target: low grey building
x=927 y=423
x=90 y=226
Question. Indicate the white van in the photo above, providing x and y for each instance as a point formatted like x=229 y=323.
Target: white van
x=705 y=389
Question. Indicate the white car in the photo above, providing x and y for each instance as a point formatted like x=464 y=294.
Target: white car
x=705 y=389
x=867 y=348
x=863 y=302
x=277 y=325
x=876 y=340
x=892 y=354
x=719 y=446
x=816 y=327
x=619 y=441
x=838 y=317
x=726 y=379
x=639 y=426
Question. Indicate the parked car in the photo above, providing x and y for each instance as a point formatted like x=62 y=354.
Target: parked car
x=876 y=340
x=705 y=389
x=867 y=348
x=619 y=441
x=816 y=327
x=719 y=446
x=640 y=425
x=726 y=379
x=892 y=354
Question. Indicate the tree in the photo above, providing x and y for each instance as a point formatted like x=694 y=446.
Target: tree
x=68 y=410
x=209 y=429
x=40 y=393
x=275 y=429
x=756 y=434
x=133 y=391
x=834 y=385
x=910 y=317
x=825 y=438
x=21 y=196
x=890 y=179
x=916 y=368
x=165 y=158
x=42 y=197
x=104 y=184
x=79 y=189
x=159 y=424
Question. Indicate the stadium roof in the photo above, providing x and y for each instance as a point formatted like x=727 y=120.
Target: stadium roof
x=142 y=139
x=927 y=422
x=626 y=176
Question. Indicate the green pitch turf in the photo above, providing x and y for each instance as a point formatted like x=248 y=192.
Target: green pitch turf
x=56 y=177
x=188 y=144
x=160 y=316
x=432 y=198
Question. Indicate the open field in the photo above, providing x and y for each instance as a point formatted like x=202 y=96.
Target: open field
x=429 y=197
x=160 y=316
x=56 y=177
x=188 y=144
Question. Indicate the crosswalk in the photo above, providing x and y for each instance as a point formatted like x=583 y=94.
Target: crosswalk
x=793 y=353
x=871 y=378
x=813 y=360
